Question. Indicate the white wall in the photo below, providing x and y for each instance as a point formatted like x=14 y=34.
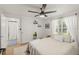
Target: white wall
x=3 y=32
x=48 y=31
x=78 y=29
x=0 y=31
x=28 y=28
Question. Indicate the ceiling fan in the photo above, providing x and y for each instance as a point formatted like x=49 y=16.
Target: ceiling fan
x=42 y=13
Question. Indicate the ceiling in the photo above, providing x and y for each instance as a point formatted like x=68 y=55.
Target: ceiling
x=21 y=9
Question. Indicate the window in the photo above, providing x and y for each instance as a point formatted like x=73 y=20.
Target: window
x=62 y=28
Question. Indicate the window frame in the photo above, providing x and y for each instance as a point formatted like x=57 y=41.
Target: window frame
x=60 y=29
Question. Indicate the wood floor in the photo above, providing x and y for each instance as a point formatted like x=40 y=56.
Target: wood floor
x=10 y=50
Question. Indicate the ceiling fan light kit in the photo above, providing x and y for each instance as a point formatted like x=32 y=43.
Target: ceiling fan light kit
x=42 y=16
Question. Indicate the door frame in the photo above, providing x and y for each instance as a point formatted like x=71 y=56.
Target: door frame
x=16 y=31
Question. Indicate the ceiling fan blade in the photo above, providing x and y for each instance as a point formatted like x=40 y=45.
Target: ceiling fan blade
x=36 y=15
x=49 y=12
x=45 y=15
x=33 y=11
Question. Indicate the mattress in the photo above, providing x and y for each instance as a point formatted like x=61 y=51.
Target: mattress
x=49 y=46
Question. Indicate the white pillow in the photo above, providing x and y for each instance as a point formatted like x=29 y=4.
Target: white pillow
x=62 y=38
x=59 y=38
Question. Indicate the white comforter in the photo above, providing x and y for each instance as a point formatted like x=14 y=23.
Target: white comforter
x=48 y=46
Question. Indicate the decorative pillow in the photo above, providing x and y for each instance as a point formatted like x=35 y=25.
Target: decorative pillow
x=67 y=38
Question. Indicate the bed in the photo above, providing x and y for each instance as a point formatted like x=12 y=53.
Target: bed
x=49 y=46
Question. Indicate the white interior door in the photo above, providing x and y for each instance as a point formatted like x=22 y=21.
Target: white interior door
x=12 y=32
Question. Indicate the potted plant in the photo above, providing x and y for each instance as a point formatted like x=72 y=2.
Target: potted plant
x=35 y=35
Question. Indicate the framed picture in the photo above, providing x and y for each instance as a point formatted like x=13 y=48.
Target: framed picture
x=39 y=25
x=47 y=26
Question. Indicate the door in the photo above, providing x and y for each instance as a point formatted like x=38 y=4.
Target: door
x=12 y=33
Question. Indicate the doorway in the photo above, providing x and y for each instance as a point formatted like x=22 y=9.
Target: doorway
x=12 y=33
